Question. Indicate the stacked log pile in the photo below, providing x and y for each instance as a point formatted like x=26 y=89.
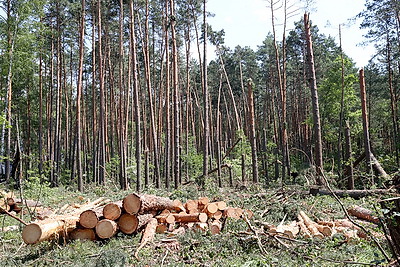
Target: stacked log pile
x=103 y=219
x=10 y=203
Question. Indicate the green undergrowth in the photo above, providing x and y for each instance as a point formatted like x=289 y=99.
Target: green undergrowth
x=230 y=248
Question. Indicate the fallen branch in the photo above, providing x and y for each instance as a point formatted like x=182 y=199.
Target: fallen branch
x=12 y=216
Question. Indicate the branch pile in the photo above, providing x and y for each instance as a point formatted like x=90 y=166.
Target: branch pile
x=103 y=219
x=309 y=228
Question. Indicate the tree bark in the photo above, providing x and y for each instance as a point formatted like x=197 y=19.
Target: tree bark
x=314 y=97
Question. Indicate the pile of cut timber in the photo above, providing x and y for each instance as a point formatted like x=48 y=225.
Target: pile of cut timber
x=9 y=202
x=103 y=219
x=315 y=229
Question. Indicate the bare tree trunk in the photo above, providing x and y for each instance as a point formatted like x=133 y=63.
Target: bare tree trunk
x=206 y=134
x=176 y=96
x=367 y=143
x=94 y=96
x=136 y=96
x=40 y=148
x=149 y=91
x=253 y=137
x=314 y=97
x=168 y=150
x=78 y=99
x=123 y=179
x=349 y=155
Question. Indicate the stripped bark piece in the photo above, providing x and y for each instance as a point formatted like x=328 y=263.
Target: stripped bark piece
x=290 y=230
x=148 y=235
x=196 y=217
x=82 y=234
x=113 y=211
x=106 y=228
x=90 y=218
x=128 y=223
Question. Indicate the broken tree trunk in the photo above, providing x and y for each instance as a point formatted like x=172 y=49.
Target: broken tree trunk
x=363 y=213
x=352 y=193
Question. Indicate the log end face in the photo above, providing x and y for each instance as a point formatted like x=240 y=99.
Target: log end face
x=132 y=203
x=31 y=233
x=128 y=223
x=88 y=219
x=106 y=228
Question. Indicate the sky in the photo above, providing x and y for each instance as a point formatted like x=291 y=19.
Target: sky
x=248 y=22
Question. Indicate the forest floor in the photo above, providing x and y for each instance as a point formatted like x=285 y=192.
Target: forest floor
x=196 y=248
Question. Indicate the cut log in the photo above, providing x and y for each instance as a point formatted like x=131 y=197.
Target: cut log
x=90 y=218
x=217 y=215
x=191 y=206
x=202 y=202
x=161 y=228
x=311 y=226
x=135 y=203
x=290 y=230
x=148 y=235
x=363 y=213
x=231 y=213
x=83 y=234
x=215 y=227
x=132 y=203
x=324 y=229
x=106 y=228
x=186 y=218
x=211 y=208
x=303 y=227
x=221 y=205
x=167 y=218
x=112 y=211
x=128 y=223
x=49 y=229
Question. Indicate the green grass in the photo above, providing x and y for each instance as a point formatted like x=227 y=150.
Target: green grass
x=230 y=248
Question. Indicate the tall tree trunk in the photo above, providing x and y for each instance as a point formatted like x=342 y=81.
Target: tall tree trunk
x=78 y=100
x=253 y=137
x=95 y=162
x=102 y=116
x=136 y=96
x=349 y=155
x=149 y=92
x=206 y=134
x=367 y=143
x=123 y=179
x=314 y=97
x=168 y=150
x=176 y=96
